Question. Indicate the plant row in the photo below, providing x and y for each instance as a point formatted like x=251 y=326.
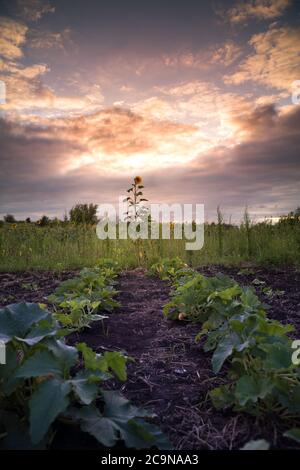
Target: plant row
x=261 y=377
x=78 y=302
x=45 y=381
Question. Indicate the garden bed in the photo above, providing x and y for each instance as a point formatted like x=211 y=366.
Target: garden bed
x=171 y=375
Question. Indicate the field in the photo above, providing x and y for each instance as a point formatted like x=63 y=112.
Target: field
x=56 y=247
x=120 y=309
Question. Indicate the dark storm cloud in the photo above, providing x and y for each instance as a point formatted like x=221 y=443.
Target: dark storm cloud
x=262 y=171
x=99 y=90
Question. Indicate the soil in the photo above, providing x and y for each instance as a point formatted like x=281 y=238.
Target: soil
x=171 y=375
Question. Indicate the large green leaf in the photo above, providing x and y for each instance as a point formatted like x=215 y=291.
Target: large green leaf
x=252 y=388
x=226 y=294
x=17 y=437
x=8 y=380
x=278 y=355
x=120 y=420
x=114 y=361
x=66 y=355
x=47 y=402
x=289 y=396
x=225 y=348
x=16 y=321
x=222 y=352
x=38 y=333
x=41 y=363
x=86 y=391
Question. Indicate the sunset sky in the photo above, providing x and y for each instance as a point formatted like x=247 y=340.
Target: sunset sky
x=195 y=96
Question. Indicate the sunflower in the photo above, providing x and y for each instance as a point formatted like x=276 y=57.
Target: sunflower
x=137 y=179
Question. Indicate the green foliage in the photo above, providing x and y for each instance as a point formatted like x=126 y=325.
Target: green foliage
x=257 y=351
x=293 y=218
x=68 y=245
x=198 y=296
x=77 y=301
x=169 y=269
x=25 y=322
x=84 y=214
x=110 y=360
x=121 y=418
x=9 y=219
x=44 y=380
x=44 y=221
x=75 y=315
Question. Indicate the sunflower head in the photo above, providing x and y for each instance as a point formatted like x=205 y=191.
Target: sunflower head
x=137 y=179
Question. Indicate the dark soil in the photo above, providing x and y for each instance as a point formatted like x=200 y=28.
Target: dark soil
x=31 y=286
x=284 y=298
x=171 y=375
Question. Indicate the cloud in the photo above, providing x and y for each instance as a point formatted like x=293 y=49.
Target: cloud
x=26 y=94
x=113 y=140
x=225 y=55
x=215 y=112
x=49 y=39
x=262 y=171
x=260 y=9
x=34 y=10
x=156 y=108
x=275 y=61
x=12 y=37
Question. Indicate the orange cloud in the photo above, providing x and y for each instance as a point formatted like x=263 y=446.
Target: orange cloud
x=33 y=10
x=225 y=55
x=275 y=62
x=12 y=37
x=262 y=9
x=49 y=39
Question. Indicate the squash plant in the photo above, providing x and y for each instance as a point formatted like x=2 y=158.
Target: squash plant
x=77 y=301
x=169 y=269
x=197 y=295
x=91 y=284
x=45 y=380
x=261 y=375
x=75 y=315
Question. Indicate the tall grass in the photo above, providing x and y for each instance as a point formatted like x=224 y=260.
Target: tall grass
x=27 y=246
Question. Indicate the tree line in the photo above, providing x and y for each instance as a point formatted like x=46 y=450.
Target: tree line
x=79 y=214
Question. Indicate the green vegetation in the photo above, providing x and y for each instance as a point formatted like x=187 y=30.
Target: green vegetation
x=77 y=301
x=261 y=377
x=65 y=245
x=73 y=242
x=84 y=214
x=45 y=380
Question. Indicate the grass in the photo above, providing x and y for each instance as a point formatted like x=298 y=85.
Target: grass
x=28 y=246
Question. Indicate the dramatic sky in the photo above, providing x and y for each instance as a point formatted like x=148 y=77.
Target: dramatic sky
x=195 y=96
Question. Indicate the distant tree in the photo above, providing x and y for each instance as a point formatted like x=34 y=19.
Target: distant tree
x=65 y=219
x=84 y=214
x=55 y=221
x=292 y=218
x=28 y=220
x=9 y=219
x=44 y=220
x=296 y=214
